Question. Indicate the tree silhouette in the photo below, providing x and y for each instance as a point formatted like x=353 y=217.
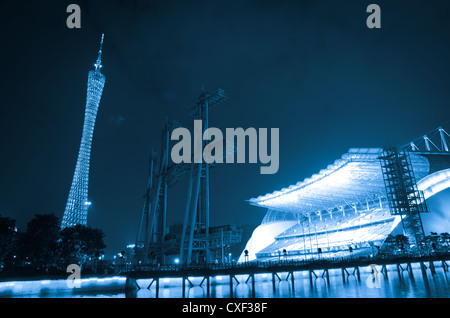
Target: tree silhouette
x=445 y=239
x=39 y=244
x=80 y=244
x=401 y=241
x=389 y=243
x=8 y=241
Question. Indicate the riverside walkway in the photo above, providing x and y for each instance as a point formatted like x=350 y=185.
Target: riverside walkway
x=316 y=268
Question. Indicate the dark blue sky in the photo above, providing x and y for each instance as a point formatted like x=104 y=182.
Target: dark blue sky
x=310 y=68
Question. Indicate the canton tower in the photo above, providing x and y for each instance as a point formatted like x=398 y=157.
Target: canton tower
x=77 y=204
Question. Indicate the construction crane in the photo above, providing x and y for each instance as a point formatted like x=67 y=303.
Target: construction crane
x=197 y=238
x=163 y=175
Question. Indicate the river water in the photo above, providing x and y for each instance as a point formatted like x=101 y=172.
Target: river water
x=414 y=284
x=393 y=284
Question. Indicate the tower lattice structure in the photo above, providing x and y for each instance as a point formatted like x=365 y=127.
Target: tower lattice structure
x=403 y=196
x=77 y=203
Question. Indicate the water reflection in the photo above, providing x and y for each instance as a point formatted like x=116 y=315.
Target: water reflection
x=372 y=282
x=392 y=283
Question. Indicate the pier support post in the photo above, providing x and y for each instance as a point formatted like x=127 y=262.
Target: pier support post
x=292 y=282
x=398 y=270
x=432 y=268
x=156 y=281
x=326 y=274
x=131 y=284
x=346 y=274
x=311 y=272
x=207 y=285
x=253 y=286
x=252 y=277
x=384 y=271
x=231 y=285
x=273 y=282
x=445 y=266
x=343 y=274
x=423 y=267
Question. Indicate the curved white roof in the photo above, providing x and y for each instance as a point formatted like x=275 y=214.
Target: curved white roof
x=354 y=180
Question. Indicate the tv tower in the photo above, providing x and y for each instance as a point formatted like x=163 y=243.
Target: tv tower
x=77 y=204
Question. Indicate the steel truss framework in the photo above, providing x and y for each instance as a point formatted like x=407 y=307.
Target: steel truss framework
x=162 y=175
x=403 y=196
x=354 y=181
x=196 y=220
x=436 y=140
x=77 y=203
x=196 y=240
x=215 y=241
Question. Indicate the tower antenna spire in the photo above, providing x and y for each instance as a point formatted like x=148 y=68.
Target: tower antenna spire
x=98 y=64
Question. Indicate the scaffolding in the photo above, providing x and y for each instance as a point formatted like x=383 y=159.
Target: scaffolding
x=405 y=200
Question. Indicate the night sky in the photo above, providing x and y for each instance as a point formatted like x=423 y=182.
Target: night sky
x=310 y=68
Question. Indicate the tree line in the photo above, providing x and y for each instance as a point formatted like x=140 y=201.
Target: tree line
x=433 y=243
x=45 y=247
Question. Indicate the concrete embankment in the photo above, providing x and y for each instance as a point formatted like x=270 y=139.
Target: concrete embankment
x=60 y=287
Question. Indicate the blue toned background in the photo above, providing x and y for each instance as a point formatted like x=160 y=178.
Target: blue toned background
x=311 y=68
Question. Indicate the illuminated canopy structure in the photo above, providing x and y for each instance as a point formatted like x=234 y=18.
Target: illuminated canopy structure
x=354 y=180
x=342 y=209
x=77 y=203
